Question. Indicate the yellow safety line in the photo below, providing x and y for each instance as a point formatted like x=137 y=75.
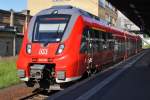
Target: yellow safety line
x=99 y=29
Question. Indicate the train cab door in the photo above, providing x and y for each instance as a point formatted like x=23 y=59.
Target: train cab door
x=91 y=52
x=85 y=57
x=87 y=51
x=89 y=58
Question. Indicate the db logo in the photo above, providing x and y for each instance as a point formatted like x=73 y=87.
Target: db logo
x=43 y=52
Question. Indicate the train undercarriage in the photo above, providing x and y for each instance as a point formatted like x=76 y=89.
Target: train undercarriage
x=42 y=75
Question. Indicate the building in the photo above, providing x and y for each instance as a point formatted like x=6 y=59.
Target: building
x=100 y=8
x=10 y=42
x=11 y=18
x=11 y=31
x=125 y=24
x=108 y=12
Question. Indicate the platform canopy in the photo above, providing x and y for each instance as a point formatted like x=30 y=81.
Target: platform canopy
x=137 y=11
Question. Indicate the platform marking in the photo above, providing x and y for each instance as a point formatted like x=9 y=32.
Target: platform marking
x=102 y=84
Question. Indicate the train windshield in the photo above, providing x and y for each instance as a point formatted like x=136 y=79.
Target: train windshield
x=50 y=28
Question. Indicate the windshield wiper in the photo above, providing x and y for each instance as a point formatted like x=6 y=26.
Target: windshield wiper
x=57 y=32
x=58 y=29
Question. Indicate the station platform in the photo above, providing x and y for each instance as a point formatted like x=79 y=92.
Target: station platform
x=129 y=80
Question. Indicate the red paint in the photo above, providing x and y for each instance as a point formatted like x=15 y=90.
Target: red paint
x=71 y=60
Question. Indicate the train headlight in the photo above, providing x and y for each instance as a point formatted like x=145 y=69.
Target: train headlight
x=29 y=48
x=61 y=75
x=60 y=49
x=21 y=73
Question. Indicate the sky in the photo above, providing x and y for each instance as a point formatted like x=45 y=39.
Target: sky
x=16 y=5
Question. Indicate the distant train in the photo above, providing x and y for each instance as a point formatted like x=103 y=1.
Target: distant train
x=62 y=44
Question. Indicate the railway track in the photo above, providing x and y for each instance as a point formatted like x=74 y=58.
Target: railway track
x=37 y=94
x=40 y=94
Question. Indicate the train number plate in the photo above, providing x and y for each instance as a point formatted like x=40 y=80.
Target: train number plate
x=42 y=60
x=43 y=51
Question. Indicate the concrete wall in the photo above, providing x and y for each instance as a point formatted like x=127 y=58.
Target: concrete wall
x=11 y=23
x=100 y=8
x=7 y=45
x=11 y=18
x=125 y=24
x=19 y=40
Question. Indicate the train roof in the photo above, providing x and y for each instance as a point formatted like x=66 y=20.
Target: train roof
x=67 y=9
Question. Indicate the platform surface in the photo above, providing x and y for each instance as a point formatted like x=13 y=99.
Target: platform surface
x=123 y=82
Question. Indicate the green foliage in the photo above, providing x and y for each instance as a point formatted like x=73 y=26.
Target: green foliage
x=8 y=73
x=146 y=46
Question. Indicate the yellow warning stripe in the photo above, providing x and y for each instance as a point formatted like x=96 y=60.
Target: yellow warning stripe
x=99 y=29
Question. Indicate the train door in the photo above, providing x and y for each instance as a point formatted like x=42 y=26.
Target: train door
x=105 y=47
x=100 y=49
x=86 y=50
x=110 y=45
x=128 y=47
x=86 y=57
x=97 y=46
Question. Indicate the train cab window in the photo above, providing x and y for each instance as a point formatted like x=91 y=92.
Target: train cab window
x=50 y=28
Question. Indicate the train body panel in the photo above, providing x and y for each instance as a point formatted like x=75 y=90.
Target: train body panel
x=63 y=43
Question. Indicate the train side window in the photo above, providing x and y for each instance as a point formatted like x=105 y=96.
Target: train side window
x=83 y=45
x=111 y=41
x=100 y=41
x=96 y=34
x=104 y=36
x=109 y=35
x=105 y=40
x=85 y=32
x=96 y=40
x=90 y=41
x=91 y=34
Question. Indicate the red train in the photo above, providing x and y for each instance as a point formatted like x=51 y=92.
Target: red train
x=63 y=43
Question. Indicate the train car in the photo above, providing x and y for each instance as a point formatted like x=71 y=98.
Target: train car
x=62 y=44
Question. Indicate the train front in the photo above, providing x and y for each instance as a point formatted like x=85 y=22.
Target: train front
x=46 y=57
